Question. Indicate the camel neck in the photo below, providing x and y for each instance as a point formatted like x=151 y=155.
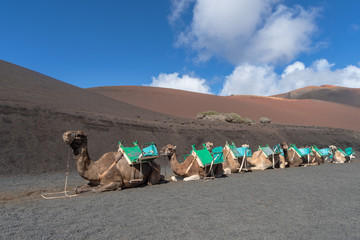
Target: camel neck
x=84 y=163
x=174 y=163
x=286 y=156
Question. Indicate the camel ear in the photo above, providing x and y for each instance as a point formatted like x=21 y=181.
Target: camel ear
x=174 y=147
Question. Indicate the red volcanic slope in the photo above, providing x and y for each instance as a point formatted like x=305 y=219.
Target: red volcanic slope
x=343 y=95
x=285 y=111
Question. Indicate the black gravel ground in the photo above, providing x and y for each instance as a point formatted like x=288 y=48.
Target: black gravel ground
x=319 y=202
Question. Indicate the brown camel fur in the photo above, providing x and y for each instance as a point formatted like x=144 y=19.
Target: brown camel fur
x=337 y=156
x=259 y=161
x=217 y=169
x=230 y=164
x=189 y=169
x=292 y=159
x=111 y=171
x=314 y=159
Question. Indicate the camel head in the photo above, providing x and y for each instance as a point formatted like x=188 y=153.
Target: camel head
x=168 y=150
x=70 y=137
x=284 y=145
x=209 y=146
x=333 y=147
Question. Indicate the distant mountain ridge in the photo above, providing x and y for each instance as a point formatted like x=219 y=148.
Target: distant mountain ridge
x=330 y=93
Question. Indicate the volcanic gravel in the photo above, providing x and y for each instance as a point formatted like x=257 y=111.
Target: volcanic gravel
x=318 y=202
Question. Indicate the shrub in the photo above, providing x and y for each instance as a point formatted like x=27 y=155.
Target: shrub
x=226 y=117
x=233 y=118
x=202 y=115
x=249 y=121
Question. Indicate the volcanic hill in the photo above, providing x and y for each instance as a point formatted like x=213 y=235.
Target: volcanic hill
x=343 y=95
x=35 y=110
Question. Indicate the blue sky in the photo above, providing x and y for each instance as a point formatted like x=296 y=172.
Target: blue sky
x=259 y=47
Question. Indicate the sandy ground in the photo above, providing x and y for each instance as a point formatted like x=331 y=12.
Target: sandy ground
x=319 y=202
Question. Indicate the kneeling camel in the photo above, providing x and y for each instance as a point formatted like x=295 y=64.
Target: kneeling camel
x=111 y=171
x=189 y=169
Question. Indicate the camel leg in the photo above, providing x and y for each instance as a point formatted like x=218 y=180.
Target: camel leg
x=176 y=178
x=219 y=171
x=191 y=178
x=84 y=188
x=99 y=188
x=108 y=187
x=227 y=171
x=154 y=177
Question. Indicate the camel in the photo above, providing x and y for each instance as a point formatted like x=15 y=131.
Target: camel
x=190 y=169
x=294 y=160
x=232 y=163
x=218 y=169
x=314 y=158
x=111 y=171
x=261 y=161
x=291 y=157
x=337 y=156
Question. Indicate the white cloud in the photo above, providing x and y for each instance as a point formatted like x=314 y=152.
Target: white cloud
x=297 y=66
x=262 y=80
x=255 y=36
x=177 y=9
x=249 y=80
x=322 y=65
x=185 y=82
x=285 y=34
x=252 y=31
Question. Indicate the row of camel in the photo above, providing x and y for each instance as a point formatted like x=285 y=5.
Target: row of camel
x=113 y=172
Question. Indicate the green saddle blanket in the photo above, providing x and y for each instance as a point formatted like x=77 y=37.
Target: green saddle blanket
x=135 y=154
x=302 y=152
x=324 y=152
x=218 y=154
x=266 y=150
x=348 y=151
x=233 y=149
x=239 y=151
x=204 y=157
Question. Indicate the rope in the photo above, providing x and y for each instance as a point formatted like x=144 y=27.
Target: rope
x=111 y=166
x=244 y=159
x=65 y=192
x=133 y=179
x=293 y=156
x=227 y=154
x=212 y=163
x=188 y=169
